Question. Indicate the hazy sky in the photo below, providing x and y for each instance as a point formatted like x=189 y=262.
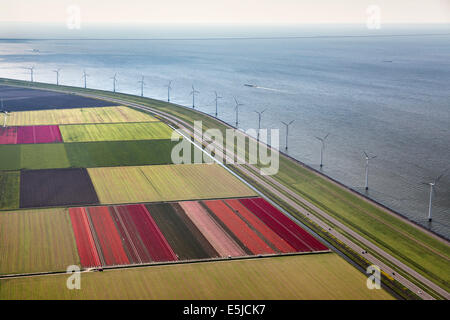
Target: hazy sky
x=226 y=11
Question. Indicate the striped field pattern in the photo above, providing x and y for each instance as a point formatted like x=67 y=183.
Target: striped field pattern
x=182 y=231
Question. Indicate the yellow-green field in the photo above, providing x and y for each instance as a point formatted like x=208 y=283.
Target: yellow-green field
x=78 y=116
x=316 y=276
x=36 y=241
x=9 y=190
x=165 y=183
x=115 y=132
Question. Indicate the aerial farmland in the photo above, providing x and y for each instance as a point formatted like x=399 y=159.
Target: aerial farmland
x=91 y=183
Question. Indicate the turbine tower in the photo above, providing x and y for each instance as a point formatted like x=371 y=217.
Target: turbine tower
x=217 y=98
x=432 y=192
x=322 y=140
x=85 y=75
x=169 y=87
x=114 y=79
x=57 y=76
x=31 y=72
x=368 y=158
x=142 y=85
x=236 y=108
x=193 y=92
x=287 y=131
x=260 y=113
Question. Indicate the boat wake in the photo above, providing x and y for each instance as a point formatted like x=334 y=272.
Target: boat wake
x=264 y=88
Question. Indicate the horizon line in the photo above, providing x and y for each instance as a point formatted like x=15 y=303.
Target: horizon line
x=245 y=38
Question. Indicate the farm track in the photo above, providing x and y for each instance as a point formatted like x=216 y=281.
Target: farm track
x=163 y=263
x=186 y=128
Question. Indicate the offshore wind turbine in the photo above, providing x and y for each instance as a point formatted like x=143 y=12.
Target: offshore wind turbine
x=260 y=113
x=236 y=108
x=193 y=92
x=368 y=158
x=31 y=72
x=216 y=99
x=85 y=75
x=57 y=76
x=322 y=140
x=142 y=85
x=432 y=192
x=287 y=131
x=114 y=79
x=169 y=87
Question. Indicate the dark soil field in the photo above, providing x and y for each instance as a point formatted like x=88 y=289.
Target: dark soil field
x=23 y=99
x=48 y=188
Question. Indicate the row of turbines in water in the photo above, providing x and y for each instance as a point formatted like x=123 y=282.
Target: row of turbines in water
x=193 y=93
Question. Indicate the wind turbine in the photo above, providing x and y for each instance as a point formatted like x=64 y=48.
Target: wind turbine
x=432 y=192
x=114 y=79
x=217 y=98
x=85 y=75
x=237 y=111
x=193 y=92
x=142 y=86
x=368 y=158
x=169 y=87
x=31 y=72
x=287 y=130
x=323 y=147
x=57 y=76
x=6 y=113
x=260 y=113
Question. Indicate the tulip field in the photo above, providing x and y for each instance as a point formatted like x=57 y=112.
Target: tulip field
x=95 y=186
x=77 y=116
x=45 y=240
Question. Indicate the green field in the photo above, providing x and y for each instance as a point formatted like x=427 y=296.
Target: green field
x=33 y=156
x=119 y=153
x=115 y=132
x=36 y=241
x=165 y=183
x=78 y=115
x=9 y=190
x=43 y=156
x=317 y=276
x=86 y=154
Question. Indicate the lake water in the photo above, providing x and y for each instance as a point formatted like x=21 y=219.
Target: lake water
x=387 y=95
